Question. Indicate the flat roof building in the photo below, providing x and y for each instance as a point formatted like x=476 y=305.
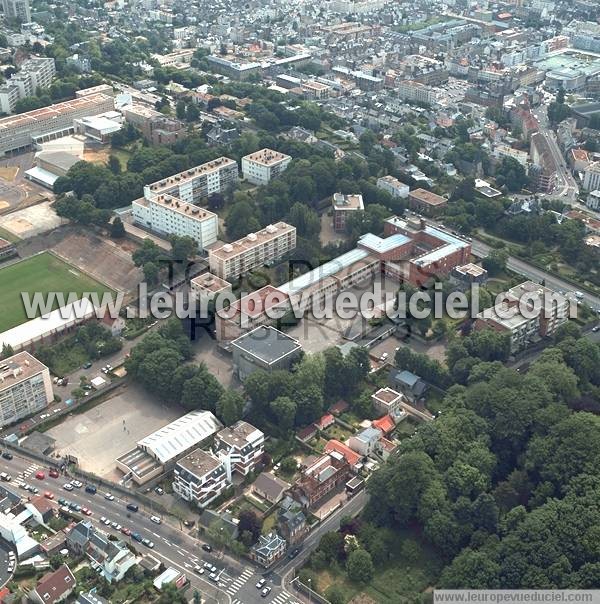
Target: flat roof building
x=25 y=387
x=264 y=348
x=231 y=260
x=343 y=205
x=261 y=166
x=426 y=201
x=199 y=478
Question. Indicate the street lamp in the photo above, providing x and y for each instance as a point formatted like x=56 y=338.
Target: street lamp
x=309 y=589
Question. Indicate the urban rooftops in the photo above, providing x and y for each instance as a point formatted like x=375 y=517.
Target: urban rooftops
x=18 y=368
x=267 y=157
x=187 y=175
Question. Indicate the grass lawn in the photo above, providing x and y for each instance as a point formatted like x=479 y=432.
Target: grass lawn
x=399 y=580
x=42 y=273
x=269 y=523
x=338 y=432
x=123 y=155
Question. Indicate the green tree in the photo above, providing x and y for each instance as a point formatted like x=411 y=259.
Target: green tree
x=117 y=230
x=230 y=407
x=284 y=409
x=359 y=566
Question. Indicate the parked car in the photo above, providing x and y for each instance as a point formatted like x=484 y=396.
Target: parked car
x=261 y=583
x=265 y=592
x=155 y=519
x=5 y=477
x=53 y=473
x=7 y=455
x=137 y=537
x=206 y=547
x=77 y=484
x=126 y=531
x=148 y=543
x=68 y=487
x=109 y=496
x=132 y=507
x=90 y=488
x=49 y=495
x=40 y=475
x=87 y=365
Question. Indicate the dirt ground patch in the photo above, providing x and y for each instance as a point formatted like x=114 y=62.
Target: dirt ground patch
x=103 y=433
x=31 y=221
x=97 y=156
x=9 y=173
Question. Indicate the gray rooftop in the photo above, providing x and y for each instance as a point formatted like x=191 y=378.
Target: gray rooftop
x=266 y=343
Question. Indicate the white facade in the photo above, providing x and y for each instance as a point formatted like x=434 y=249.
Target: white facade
x=35 y=74
x=199 y=478
x=415 y=91
x=169 y=216
x=393 y=186
x=233 y=259
x=260 y=167
x=591 y=177
x=240 y=448
x=593 y=200
x=17 y=9
x=25 y=387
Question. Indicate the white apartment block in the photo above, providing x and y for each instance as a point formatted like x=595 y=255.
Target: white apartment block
x=25 y=387
x=17 y=9
x=240 y=448
x=415 y=91
x=591 y=177
x=593 y=200
x=20 y=131
x=260 y=167
x=167 y=215
x=197 y=183
x=35 y=74
x=199 y=478
x=393 y=186
x=233 y=259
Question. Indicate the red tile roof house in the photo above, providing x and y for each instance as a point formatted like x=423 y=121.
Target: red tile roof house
x=326 y=421
x=385 y=424
x=54 y=587
x=351 y=456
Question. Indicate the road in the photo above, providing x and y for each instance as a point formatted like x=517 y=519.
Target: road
x=481 y=249
x=174 y=547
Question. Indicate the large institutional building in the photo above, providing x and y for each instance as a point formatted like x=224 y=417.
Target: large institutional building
x=255 y=249
x=21 y=131
x=411 y=251
x=25 y=387
x=168 y=205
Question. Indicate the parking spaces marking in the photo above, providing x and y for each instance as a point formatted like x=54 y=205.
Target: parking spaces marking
x=180 y=553
x=167 y=542
x=281 y=598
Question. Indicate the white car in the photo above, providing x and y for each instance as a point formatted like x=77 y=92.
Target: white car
x=155 y=519
x=109 y=496
x=76 y=484
x=261 y=583
x=68 y=487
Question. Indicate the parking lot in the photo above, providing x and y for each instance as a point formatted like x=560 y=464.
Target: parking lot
x=98 y=436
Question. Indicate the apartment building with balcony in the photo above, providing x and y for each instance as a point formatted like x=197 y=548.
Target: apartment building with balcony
x=240 y=448
x=261 y=166
x=167 y=215
x=25 y=387
x=199 y=478
x=197 y=183
x=231 y=260
x=527 y=327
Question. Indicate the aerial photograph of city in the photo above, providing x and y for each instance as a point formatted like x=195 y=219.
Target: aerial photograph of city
x=300 y=301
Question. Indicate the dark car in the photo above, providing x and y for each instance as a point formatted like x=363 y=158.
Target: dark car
x=294 y=553
x=7 y=455
x=137 y=537
x=90 y=488
x=87 y=365
x=132 y=507
x=206 y=547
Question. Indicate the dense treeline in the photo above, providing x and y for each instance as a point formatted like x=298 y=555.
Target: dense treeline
x=505 y=483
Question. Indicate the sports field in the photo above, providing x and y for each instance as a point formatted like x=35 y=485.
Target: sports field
x=42 y=273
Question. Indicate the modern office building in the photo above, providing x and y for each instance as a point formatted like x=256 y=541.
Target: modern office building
x=48 y=123
x=240 y=448
x=25 y=387
x=261 y=166
x=233 y=69
x=199 y=478
x=35 y=74
x=255 y=249
x=343 y=206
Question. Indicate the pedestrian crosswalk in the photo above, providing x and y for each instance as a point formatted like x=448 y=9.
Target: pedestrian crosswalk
x=30 y=470
x=282 y=598
x=237 y=583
